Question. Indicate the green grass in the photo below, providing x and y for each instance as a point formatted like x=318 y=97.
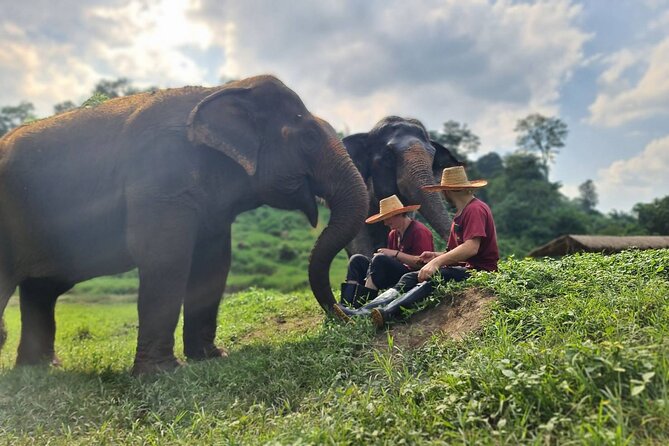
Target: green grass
x=574 y=351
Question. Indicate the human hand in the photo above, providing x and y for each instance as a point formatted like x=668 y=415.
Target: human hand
x=386 y=252
x=426 y=256
x=427 y=271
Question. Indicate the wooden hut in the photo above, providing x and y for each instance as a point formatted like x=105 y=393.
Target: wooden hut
x=607 y=244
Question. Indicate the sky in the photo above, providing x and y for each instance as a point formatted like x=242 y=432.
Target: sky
x=602 y=66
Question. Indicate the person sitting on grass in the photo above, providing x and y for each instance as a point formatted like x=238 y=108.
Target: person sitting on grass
x=472 y=244
x=407 y=239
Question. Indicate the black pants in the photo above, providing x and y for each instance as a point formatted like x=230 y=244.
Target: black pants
x=409 y=280
x=385 y=271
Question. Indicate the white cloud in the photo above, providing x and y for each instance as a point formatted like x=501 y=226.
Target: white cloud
x=148 y=38
x=43 y=74
x=483 y=63
x=51 y=54
x=486 y=64
x=635 y=180
x=634 y=87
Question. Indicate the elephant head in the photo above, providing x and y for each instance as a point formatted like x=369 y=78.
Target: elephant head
x=397 y=157
x=291 y=157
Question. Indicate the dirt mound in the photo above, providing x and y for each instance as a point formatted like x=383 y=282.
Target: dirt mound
x=453 y=319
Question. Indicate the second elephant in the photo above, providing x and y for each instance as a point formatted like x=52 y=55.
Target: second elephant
x=397 y=157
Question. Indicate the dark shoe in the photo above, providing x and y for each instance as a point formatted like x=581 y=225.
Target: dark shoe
x=418 y=294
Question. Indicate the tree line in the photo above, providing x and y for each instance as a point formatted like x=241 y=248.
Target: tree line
x=529 y=209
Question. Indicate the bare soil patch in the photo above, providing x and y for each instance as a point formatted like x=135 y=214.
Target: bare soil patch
x=282 y=324
x=453 y=318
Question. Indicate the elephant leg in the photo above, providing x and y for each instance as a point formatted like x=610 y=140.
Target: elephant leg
x=37 y=302
x=162 y=246
x=209 y=272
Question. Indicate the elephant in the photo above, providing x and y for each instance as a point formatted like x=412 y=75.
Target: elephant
x=153 y=181
x=397 y=157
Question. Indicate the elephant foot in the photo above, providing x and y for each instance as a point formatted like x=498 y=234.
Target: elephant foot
x=37 y=359
x=209 y=352
x=55 y=361
x=146 y=367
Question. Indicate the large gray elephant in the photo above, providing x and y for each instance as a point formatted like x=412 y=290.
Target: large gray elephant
x=397 y=157
x=154 y=181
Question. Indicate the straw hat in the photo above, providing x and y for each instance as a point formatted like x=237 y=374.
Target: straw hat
x=454 y=178
x=390 y=206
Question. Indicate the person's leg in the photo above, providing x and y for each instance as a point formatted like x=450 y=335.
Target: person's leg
x=386 y=271
x=355 y=278
x=406 y=282
x=413 y=298
x=357 y=269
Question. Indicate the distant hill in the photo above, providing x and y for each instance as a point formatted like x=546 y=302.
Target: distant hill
x=271 y=247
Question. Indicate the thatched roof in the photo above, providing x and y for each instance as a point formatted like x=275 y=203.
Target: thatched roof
x=607 y=244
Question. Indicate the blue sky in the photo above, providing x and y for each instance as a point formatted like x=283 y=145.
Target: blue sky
x=601 y=66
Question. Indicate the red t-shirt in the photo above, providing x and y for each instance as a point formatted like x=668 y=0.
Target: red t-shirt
x=417 y=239
x=476 y=220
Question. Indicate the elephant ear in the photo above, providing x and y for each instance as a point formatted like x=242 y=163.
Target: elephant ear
x=357 y=148
x=225 y=121
x=443 y=158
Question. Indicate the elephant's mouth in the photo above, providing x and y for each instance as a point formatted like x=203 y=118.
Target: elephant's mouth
x=305 y=196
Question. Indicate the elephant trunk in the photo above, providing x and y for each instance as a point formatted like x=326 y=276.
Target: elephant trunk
x=340 y=184
x=415 y=171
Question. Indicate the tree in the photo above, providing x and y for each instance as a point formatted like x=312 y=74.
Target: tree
x=546 y=135
x=490 y=165
x=588 y=198
x=457 y=138
x=118 y=87
x=113 y=88
x=654 y=217
x=64 y=106
x=14 y=116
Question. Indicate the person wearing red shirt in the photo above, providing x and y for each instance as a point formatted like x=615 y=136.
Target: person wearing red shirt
x=407 y=240
x=472 y=244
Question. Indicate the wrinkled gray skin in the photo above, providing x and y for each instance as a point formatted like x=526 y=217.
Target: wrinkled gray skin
x=154 y=181
x=397 y=157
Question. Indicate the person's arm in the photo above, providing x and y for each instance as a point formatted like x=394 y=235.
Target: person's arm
x=408 y=259
x=403 y=257
x=426 y=256
x=456 y=255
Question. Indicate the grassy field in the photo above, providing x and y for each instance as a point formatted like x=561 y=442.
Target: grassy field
x=573 y=351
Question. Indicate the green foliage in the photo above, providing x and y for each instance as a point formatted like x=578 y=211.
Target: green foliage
x=14 y=116
x=545 y=135
x=64 y=106
x=95 y=100
x=654 y=217
x=573 y=351
x=457 y=138
x=271 y=249
x=588 y=196
x=529 y=210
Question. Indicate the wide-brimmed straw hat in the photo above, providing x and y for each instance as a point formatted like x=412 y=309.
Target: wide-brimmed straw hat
x=454 y=178
x=390 y=206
